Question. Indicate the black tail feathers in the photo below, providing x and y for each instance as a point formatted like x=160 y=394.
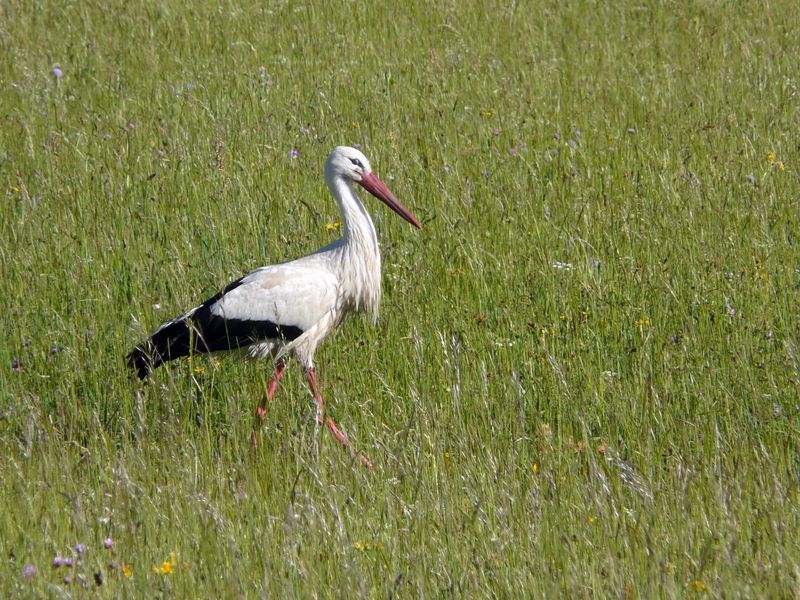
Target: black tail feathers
x=168 y=343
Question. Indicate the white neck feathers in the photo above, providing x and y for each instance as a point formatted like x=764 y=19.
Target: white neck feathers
x=358 y=253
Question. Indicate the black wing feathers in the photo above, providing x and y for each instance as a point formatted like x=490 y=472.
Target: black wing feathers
x=204 y=332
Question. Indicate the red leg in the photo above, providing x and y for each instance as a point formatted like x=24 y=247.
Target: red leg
x=313 y=385
x=272 y=386
x=261 y=411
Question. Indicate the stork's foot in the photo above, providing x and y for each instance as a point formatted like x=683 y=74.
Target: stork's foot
x=342 y=439
x=311 y=377
x=261 y=416
x=254 y=441
x=261 y=410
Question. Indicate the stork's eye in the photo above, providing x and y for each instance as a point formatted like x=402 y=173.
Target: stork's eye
x=357 y=163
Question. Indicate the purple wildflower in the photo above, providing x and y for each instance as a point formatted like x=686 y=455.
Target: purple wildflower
x=80 y=548
x=59 y=561
x=513 y=151
x=29 y=571
x=108 y=543
x=58 y=73
x=357 y=146
x=67 y=579
x=15 y=365
x=67 y=561
x=293 y=153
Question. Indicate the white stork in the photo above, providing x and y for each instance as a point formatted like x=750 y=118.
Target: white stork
x=288 y=309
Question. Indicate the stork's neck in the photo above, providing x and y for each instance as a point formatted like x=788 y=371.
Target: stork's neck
x=358 y=253
x=359 y=232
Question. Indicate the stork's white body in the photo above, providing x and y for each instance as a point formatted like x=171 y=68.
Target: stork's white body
x=313 y=293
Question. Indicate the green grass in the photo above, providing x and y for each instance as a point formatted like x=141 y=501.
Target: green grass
x=585 y=376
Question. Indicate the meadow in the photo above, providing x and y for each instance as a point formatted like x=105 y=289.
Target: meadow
x=585 y=378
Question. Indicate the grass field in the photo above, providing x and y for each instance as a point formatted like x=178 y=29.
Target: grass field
x=585 y=380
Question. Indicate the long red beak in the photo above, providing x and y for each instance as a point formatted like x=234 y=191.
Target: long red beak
x=371 y=183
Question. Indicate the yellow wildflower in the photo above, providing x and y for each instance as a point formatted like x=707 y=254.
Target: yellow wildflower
x=535 y=468
x=488 y=112
x=592 y=520
x=771 y=157
x=127 y=570
x=699 y=586
x=643 y=322
x=333 y=226
x=359 y=546
x=169 y=565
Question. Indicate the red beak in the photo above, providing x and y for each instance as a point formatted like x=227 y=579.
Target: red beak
x=371 y=183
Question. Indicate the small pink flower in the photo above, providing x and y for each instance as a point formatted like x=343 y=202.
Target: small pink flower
x=57 y=73
x=29 y=571
x=108 y=543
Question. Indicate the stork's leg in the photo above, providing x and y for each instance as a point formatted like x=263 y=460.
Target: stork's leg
x=261 y=411
x=313 y=385
x=272 y=386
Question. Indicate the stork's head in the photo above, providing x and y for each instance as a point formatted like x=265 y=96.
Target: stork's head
x=351 y=165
